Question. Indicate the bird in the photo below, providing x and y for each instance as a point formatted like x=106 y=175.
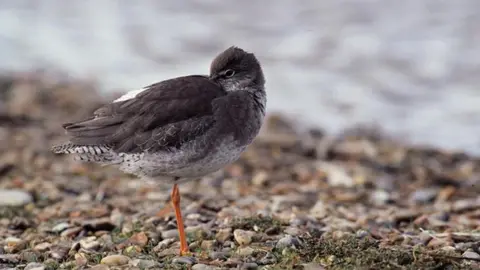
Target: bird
x=177 y=129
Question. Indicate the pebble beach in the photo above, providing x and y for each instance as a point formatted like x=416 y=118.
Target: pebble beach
x=296 y=199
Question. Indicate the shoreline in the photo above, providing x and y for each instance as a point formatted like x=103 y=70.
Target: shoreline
x=294 y=199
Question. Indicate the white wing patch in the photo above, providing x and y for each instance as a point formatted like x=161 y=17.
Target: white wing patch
x=130 y=95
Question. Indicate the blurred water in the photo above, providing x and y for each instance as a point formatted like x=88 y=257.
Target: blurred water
x=411 y=66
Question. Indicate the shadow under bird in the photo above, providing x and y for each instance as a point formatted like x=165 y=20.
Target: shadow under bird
x=179 y=129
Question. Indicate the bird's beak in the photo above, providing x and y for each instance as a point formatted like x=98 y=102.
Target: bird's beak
x=213 y=77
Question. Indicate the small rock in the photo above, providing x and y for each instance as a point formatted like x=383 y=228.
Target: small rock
x=80 y=259
x=9 y=258
x=471 y=255
x=89 y=243
x=312 y=266
x=245 y=251
x=243 y=237
x=219 y=255
x=380 y=197
x=139 y=239
x=294 y=231
x=337 y=176
x=201 y=266
x=269 y=258
x=71 y=232
x=144 y=264
x=319 y=210
x=184 y=260
x=60 y=227
x=207 y=244
x=34 y=266
x=58 y=252
x=362 y=234
x=42 y=246
x=13 y=244
x=164 y=244
x=260 y=178
x=170 y=234
x=223 y=234
x=14 y=197
x=424 y=195
x=115 y=260
x=99 y=267
x=249 y=266
x=287 y=242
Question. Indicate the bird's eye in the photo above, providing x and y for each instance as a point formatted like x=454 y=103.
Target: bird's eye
x=229 y=73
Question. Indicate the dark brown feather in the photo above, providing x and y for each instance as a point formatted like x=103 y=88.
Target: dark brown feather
x=165 y=115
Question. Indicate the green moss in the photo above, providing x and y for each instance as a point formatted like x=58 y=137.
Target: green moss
x=261 y=223
x=354 y=253
x=10 y=212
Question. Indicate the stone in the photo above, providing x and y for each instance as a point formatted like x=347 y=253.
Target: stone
x=144 y=264
x=207 y=244
x=424 y=195
x=13 y=244
x=164 y=244
x=218 y=255
x=184 y=260
x=223 y=234
x=42 y=246
x=60 y=227
x=249 y=266
x=201 y=266
x=243 y=237
x=471 y=255
x=99 y=267
x=115 y=260
x=80 y=259
x=34 y=266
x=170 y=234
x=9 y=258
x=269 y=258
x=139 y=239
x=89 y=243
x=14 y=197
x=245 y=251
x=287 y=242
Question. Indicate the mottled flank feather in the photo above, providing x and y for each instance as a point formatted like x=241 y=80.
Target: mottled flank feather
x=89 y=153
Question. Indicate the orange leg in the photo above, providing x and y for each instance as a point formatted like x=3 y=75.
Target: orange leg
x=178 y=215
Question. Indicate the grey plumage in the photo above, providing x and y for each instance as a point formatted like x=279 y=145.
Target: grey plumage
x=182 y=127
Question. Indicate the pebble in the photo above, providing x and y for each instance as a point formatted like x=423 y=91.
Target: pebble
x=42 y=246
x=99 y=267
x=269 y=258
x=115 y=260
x=164 y=244
x=223 y=234
x=13 y=244
x=9 y=258
x=243 y=237
x=14 y=197
x=170 y=234
x=89 y=243
x=201 y=266
x=60 y=227
x=184 y=260
x=249 y=266
x=319 y=210
x=245 y=251
x=218 y=255
x=34 y=266
x=207 y=244
x=424 y=195
x=144 y=264
x=471 y=255
x=380 y=197
x=287 y=242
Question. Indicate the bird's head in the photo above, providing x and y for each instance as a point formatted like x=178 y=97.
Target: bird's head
x=236 y=69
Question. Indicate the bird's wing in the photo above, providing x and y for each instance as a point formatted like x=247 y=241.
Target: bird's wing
x=164 y=115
